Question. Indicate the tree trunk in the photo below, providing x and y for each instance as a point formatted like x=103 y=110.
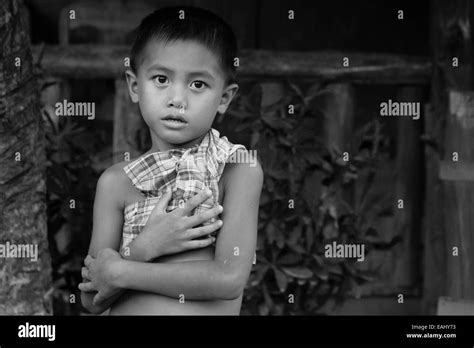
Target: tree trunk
x=25 y=283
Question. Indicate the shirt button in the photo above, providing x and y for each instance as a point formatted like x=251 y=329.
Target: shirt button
x=181 y=203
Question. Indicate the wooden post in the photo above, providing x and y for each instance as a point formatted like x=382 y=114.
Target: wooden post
x=458 y=176
x=452 y=32
x=408 y=186
x=434 y=237
x=339 y=109
x=338 y=115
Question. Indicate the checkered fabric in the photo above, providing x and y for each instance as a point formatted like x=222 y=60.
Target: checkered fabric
x=185 y=171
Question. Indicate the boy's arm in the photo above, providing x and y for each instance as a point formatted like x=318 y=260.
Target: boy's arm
x=107 y=229
x=225 y=276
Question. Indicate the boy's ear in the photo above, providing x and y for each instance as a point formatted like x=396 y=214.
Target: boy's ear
x=227 y=96
x=132 y=85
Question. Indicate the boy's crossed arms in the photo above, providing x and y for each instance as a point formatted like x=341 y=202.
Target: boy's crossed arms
x=108 y=276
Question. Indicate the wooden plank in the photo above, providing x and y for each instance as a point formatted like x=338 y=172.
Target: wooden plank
x=450 y=306
x=454 y=171
x=104 y=61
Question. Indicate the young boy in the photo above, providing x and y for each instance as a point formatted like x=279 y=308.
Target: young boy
x=161 y=209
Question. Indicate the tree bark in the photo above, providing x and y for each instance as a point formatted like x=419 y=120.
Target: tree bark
x=25 y=284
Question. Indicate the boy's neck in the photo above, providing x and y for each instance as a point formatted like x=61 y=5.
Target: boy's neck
x=166 y=146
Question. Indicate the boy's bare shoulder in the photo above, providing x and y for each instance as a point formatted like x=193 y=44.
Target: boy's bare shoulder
x=248 y=170
x=114 y=182
x=115 y=172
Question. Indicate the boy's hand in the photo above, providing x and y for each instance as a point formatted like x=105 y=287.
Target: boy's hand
x=174 y=232
x=101 y=273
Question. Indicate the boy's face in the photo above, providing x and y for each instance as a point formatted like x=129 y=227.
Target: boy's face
x=181 y=79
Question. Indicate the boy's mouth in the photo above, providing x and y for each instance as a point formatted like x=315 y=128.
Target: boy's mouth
x=175 y=118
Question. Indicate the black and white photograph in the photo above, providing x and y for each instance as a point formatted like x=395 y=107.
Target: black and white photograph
x=237 y=158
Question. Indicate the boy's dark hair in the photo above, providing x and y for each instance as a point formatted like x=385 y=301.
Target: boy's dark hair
x=198 y=24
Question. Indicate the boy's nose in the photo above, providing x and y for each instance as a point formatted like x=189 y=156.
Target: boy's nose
x=177 y=98
x=177 y=103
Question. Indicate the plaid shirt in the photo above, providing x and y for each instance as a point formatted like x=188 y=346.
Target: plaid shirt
x=186 y=171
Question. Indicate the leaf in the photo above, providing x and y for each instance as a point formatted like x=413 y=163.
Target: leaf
x=311 y=157
x=263 y=309
x=280 y=239
x=318 y=259
x=254 y=140
x=270 y=232
x=335 y=269
x=267 y=297
x=242 y=126
x=295 y=235
x=298 y=248
x=284 y=141
x=281 y=279
x=368 y=276
x=238 y=114
x=330 y=231
x=298 y=272
x=312 y=188
x=309 y=232
x=275 y=122
x=278 y=174
x=259 y=274
x=289 y=258
x=63 y=238
x=322 y=274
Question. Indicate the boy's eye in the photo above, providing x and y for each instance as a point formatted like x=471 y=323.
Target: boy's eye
x=160 y=79
x=199 y=84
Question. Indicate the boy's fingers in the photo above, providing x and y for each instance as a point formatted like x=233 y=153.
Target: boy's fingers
x=89 y=259
x=194 y=201
x=198 y=219
x=205 y=230
x=87 y=287
x=201 y=243
x=85 y=273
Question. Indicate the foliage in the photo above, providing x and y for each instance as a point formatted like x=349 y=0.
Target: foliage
x=73 y=168
x=302 y=171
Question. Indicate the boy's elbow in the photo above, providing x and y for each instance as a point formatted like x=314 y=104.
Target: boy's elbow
x=232 y=287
